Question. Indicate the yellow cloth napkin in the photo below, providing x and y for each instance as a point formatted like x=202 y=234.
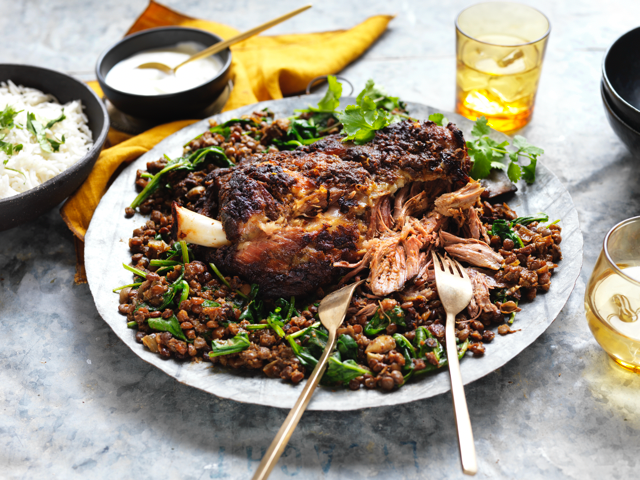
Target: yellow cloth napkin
x=263 y=68
x=268 y=67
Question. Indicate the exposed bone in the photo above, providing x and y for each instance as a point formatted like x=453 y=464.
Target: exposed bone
x=198 y=229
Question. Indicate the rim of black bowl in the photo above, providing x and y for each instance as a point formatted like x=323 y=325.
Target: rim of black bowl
x=612 y=112
x=164 y=96
x=97 y=143
x=605 y=78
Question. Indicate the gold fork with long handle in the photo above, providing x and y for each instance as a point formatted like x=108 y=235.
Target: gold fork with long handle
x=332 y=310
x=454 y=289
x=218 y=47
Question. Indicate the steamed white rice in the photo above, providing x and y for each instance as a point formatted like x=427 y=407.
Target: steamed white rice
x=36 y=165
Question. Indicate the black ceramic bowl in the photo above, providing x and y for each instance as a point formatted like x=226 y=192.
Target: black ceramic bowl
x=172 y=106
x=629 y=136
x=621 y=77
x=26 y=206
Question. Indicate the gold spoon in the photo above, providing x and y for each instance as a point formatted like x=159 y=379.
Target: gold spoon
x=218 y=47
x=332 y=311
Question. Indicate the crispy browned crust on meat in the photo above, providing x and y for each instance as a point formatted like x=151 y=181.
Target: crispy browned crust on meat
x=418 y=151
x=295 y=217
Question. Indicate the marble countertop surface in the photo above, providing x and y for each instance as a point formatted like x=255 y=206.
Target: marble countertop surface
x=77 y=403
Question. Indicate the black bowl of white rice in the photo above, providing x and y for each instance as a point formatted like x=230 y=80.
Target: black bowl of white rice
x=52 y=128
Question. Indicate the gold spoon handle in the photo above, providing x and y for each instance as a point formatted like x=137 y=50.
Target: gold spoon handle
x=218 y=47
x=278 y=444
x=460 y=410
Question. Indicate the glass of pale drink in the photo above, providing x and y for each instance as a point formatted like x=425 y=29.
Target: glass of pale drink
x=612 y=299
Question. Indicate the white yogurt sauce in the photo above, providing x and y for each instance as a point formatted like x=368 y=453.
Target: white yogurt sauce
x=124 y=75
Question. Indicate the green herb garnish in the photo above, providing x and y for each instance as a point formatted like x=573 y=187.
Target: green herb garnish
x=487 y=153
x=361 y=122
x=439 y=119
x=7 y=122
x=330 y=101
x=36 y=128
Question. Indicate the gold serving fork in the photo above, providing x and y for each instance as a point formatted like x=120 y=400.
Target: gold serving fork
x=454 y=290
x=332 y=310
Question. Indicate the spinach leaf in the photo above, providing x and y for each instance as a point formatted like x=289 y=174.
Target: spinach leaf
x=396 y=315
x=170 y=325
x=381 y=320
x=314 y=344
x=377 y=324
x=502 y=229
x=214 y=154
x=408 y=351
x=236 y=344
x=300 y=132
x=317 y=341
x=347 y=347
x=342 y=372
x=428 y=343
x=306 y=359
x=442 y=359
x=253 y=310
x=210 y=304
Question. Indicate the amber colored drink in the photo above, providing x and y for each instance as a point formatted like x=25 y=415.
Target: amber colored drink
x=499 y=63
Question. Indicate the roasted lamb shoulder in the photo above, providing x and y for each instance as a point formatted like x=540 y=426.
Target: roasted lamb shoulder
x=299 y=220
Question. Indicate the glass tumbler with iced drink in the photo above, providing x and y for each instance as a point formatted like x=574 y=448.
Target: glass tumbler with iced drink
x=612 y=299
x=499 y=52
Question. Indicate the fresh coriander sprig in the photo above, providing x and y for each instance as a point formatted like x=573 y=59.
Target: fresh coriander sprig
x=373 y=111
x=487 y=153
x=7 y=122
x=439 y=119
x=330 y=101
x=38 y=130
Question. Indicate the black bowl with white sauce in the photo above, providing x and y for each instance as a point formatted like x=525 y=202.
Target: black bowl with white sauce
x=151 y=94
